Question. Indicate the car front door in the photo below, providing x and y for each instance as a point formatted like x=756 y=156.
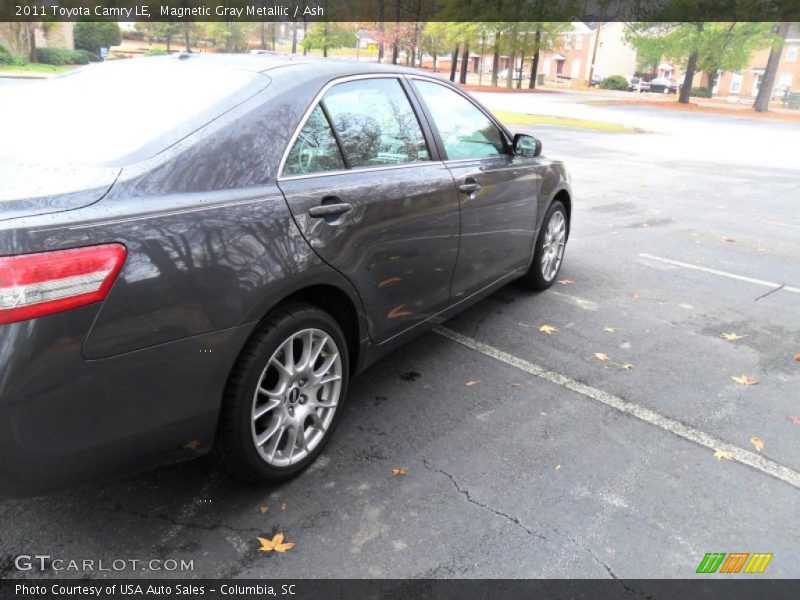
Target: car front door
x=367 y=194
x=498 y=191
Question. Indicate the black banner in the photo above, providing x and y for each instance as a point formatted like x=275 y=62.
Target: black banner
x=415 y=589
x=389 y=11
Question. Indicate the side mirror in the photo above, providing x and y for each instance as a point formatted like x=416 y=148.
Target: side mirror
x=527 y=145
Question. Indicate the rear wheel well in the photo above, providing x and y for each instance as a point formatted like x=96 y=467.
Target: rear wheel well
x=337 y=304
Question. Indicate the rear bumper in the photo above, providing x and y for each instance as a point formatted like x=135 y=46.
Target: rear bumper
x=65 y=420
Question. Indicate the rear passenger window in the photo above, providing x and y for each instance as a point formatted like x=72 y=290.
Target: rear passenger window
x=376 y=123
x=315 y=149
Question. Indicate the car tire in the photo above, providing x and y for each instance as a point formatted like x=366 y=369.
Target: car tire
x=263 y=397
x=554 y=229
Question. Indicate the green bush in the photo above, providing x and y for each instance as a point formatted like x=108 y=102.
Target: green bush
x=63 y=56
x=701 y=92
x=93 y=36
x=6 y=58
x=156 y=52
x=615 y=82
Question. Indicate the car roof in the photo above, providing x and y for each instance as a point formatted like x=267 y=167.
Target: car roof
x=294 y=67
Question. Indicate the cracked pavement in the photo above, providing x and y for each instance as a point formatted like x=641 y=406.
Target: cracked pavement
x=515 y=476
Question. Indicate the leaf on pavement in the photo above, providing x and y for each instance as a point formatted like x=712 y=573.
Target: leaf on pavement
x=728 y=239
x=516 y=385
x=283 y=505
x=565 y=281
x=472 y=382
x=797 y=357
x=276 y=543
x=720 y=454
x=602 y=356
x=193 y=445
x=795 y=420
x=263 y=509
x=732 y=337
x=608 y=329
x=399 y=471
x=744 y=379
x=523 y=324
x=548 y=329
x=758 y=443
x=557 y=468
x=626 y=366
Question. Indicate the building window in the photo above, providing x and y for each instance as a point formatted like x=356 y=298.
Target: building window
x=791 y=54
x=567 y=43
x=578 y=42
x=736 y=83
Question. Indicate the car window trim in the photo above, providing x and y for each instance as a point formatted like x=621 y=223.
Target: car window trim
x=432 y=149
x=505 y=134
x=336 y=135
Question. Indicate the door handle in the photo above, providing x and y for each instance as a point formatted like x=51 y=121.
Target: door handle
x=330 y=210
x=470 y=186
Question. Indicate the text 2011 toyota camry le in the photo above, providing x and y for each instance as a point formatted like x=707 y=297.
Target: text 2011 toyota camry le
x=197 y=253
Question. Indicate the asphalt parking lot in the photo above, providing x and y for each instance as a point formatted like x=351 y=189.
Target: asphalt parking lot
x=526 y=454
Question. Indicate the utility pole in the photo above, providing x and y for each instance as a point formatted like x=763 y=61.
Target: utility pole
x=594 y=53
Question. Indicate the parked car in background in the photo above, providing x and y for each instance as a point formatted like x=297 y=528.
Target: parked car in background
x=518 y=73
x=210 y=277
x=663 y=85
x=637 y=84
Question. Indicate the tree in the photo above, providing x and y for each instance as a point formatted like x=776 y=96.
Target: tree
x=231 y=36
x=93 y=36
x=728 y=47
x=327 y=36
x=761 y=103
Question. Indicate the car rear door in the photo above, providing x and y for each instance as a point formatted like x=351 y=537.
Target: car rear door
x=372 y=199
x=498 y=191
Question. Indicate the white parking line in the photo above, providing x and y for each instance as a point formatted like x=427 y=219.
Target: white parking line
x=640 y=412
x=677 y=263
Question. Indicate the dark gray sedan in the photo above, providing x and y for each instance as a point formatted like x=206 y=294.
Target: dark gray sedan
x=197 y=253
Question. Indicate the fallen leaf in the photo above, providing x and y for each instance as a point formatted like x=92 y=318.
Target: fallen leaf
x=626 y=366
x=758 y=443
x=720 y=454
x=744 y=380
x=263 y=509
x=602 y=356
x=636 y=296
x=276 y=543
x=283 y=505
x=565 y=281
x=761 y=250
x=516 y=385
x=797 y=357
x=472 y=382
x=732 y=337
x=193 y=445
x=610 y=329
x=523 y=324
x=795 y=420
x=399 y=471
x=548 y=329
x=728 y=239
x=557 y=468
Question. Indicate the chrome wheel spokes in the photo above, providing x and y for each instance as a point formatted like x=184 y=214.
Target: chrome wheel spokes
x=553 y=246
x=296 y=397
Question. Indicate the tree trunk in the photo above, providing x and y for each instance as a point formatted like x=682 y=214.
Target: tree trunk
x=691 y=67
x=594 y=54
x=305 y=33
x=33 y=54
x=761 y=103
x=325 y=41
x=510 y=70
x=686 y=88
x=435 y=70
x=712 y=80
x=263 y=35
x=294 y=38
x=535 y=60
x=496 y=58
x=453 y=62
x=464 y=63
x=169 y=41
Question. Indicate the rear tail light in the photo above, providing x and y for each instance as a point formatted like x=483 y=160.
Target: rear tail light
x=35 y=285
